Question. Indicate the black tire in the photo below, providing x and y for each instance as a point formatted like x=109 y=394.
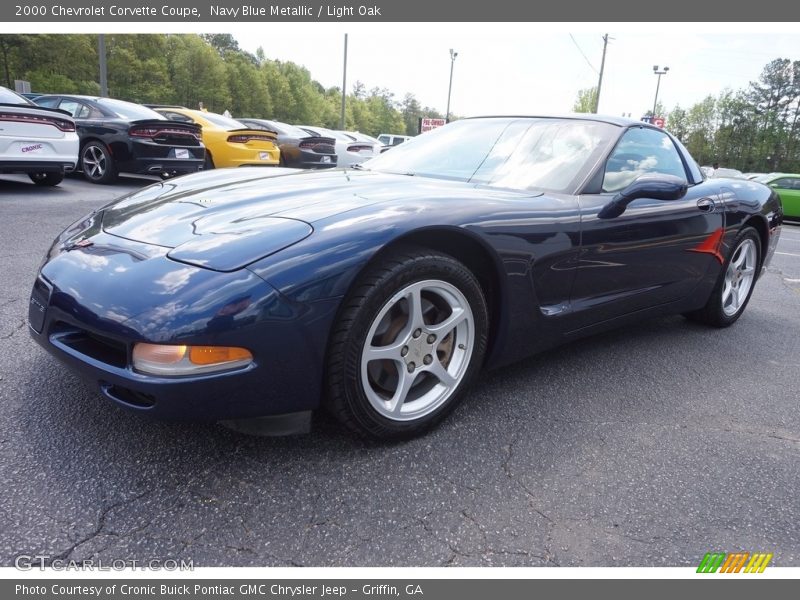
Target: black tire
x=208 y=164
x=46 y=179
x=97 y=163
x=712 y=313
x=375 y=290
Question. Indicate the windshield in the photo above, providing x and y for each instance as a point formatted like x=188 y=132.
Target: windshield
x=9 y=97
x=764 y=178
x=362 y=137
x=534 y=153
x=129 y=110
x=291 y=130
x=223 y=121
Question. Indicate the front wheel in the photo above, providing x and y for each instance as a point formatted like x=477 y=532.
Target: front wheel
x=736 y=283
x=47 y=179
x=409 y=341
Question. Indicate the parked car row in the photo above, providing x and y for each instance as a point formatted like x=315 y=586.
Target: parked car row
x=48 y=135
x=118 y=136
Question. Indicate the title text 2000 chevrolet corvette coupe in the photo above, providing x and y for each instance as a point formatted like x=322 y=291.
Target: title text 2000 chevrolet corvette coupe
x=380 y=292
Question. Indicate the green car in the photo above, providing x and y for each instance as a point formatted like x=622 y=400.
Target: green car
x=788 y=187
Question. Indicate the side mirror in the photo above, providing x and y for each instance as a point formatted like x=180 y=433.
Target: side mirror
x=650 y=185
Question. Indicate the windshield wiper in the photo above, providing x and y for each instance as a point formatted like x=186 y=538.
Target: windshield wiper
x=406 y=173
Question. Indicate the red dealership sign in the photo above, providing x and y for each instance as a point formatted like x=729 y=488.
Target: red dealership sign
x=429 y=123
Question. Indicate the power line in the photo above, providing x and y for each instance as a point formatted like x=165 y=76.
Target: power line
x=591 y=66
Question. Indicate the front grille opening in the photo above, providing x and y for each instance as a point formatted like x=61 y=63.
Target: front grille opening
x=99 y=347
x=126 y=396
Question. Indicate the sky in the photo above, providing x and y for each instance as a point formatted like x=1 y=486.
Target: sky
x=530 y=68
x=509 y=68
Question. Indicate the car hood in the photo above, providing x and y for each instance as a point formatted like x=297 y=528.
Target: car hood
x=225 y=219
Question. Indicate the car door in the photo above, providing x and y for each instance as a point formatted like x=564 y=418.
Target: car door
x=656 y=251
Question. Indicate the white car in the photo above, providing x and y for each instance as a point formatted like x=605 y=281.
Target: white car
x=41 y=142
x=357 y=136
x=348 y=151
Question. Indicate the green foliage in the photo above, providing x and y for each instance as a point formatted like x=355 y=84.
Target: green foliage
x=755 y=129
x=190 y=69
x=586 y=100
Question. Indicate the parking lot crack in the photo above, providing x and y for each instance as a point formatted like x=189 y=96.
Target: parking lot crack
x=13 y=331
x=100 y=525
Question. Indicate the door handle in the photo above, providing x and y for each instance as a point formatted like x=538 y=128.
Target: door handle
x=706 y=205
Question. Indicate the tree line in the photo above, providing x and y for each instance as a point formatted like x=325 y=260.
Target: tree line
x=188 y=69
x=754 y=129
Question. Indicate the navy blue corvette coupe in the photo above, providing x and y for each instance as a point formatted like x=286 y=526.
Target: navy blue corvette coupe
x=254 y=296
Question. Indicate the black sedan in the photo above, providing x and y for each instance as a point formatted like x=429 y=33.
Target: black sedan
x=122 y=137
x=379 y=293
x=298 y=149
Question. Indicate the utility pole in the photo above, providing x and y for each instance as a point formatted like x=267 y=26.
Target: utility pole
x=344 y=83
x=600 y=80
x=101 y=51
x=453 y=56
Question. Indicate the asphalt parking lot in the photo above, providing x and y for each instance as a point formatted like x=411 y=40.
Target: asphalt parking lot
x=648 y=446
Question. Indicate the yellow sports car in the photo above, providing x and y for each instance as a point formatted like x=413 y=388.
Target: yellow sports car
x=228 y=142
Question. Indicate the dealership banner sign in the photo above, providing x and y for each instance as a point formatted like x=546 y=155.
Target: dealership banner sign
x=198 y=11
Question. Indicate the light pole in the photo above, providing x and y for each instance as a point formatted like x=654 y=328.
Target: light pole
x=657 y=71
x=344 y=83
x=101 y=52
x=453 y=56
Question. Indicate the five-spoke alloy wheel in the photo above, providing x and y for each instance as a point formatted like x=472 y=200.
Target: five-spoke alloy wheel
x=97 y=163
x=418 y=349
x=410 y=339
x=739 y=277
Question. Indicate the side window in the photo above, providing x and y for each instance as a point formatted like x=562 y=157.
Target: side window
x=641 y=150
x=84 y=112
x=71 y=106
x=783 y=183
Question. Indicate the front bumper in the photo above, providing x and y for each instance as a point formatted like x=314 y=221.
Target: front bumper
x=91 y=322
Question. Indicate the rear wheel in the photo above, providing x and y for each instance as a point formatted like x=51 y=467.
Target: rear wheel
x=209 y=162
x=47 y=179
x=97 y=164
x=736 y=283
x=410 y=339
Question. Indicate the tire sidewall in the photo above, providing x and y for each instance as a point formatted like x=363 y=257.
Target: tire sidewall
x=716 y=296
x=437 y=267
x=109 y=173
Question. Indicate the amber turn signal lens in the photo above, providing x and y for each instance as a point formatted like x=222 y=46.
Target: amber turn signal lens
x=211 y=355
